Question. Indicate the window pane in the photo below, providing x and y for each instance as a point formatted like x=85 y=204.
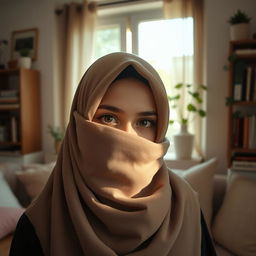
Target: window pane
x=107 y=40
x=165 y=44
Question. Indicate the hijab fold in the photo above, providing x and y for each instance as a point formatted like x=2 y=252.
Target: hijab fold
x=110 y=192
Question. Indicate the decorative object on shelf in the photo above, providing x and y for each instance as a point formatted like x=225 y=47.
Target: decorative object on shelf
x=3 y=47
x=240 y=26
x=24 y=39
x=24 y=59
x=184 y=141
x=58 y=135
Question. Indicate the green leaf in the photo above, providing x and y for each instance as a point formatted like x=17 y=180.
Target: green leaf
x=202 y=113
x=174 y=97
x=171 y=122
x=178 y=86
x=204 y=87
x=189 y=85
x=184 y=121
x=191 y=107
x=229 y=101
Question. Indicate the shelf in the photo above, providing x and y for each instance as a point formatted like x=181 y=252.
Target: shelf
x=9 y=107
x=9 y=153
x=9 y=143
x=9 y=100
x=244 y=150
x=244 y=103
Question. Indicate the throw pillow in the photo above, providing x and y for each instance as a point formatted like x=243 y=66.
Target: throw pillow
x=7 y=197
x=234 y=226
x=9 y=217
x=33 y=180
x=200 y=177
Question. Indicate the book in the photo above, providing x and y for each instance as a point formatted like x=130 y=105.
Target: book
x=238 y=163
x=245 y=51
x=9 y=106
x=8 y=93
x=253 y=169
x=252 y=132
x=246 y=131
x=14 y=137
x=248 y=83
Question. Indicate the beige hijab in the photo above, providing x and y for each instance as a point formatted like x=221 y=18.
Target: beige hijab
x=110 y=192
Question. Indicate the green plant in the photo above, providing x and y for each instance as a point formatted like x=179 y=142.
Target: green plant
x=192 y=107
x=56 y=132
x=239 y=17
x=24 y=52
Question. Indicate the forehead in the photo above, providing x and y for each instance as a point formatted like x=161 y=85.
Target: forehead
x=129 y=92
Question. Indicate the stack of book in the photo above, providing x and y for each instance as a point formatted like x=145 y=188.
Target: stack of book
x=244 y=162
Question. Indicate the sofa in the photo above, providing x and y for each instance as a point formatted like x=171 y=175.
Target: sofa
x=228 y=202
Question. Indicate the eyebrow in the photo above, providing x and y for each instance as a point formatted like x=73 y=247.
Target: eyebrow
x=118 y=110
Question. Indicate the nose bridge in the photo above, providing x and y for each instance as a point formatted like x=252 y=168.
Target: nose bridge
x=128 y=127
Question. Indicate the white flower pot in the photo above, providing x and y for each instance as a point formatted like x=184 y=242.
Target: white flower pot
x=183 y=143
x=240 y=31
x=25 y=62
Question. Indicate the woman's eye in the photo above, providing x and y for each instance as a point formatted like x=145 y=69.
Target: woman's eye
x=108 y=119
x=146 y=123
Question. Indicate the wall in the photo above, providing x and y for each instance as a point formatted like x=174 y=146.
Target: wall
x=23 y=14
x=18 y=15
x=217 y=13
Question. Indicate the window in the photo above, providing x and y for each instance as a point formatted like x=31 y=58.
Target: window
x=163 y=43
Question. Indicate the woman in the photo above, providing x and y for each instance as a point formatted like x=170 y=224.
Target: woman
x=110 y=192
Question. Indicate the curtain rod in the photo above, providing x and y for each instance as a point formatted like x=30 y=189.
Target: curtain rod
x=110 y=3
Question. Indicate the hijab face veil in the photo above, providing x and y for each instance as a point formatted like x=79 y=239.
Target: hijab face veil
x=110 y=192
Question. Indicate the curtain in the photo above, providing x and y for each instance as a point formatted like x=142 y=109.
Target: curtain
x=188 y=69
x=75 y=25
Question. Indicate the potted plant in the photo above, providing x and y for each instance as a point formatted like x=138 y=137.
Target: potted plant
x=240 y=26
x=183 y=142
x=25 y=59
x=58 y=135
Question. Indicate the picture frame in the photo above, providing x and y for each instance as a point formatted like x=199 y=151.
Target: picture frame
x=24 y=39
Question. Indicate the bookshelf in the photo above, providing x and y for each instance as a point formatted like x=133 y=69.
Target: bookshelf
x=241 y=150
x=20 y=113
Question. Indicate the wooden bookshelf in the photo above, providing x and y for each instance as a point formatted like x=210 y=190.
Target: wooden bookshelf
x=20 y=112
x=242 y=92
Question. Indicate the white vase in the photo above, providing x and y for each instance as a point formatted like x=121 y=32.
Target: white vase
x=25 y=62
x=183 y=143
x=240 y=31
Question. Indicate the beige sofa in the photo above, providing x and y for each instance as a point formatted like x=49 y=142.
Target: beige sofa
x=233 y=230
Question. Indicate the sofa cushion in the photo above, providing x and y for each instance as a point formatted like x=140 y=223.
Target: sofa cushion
x=200 y=177
x=33 y=180
x=9 y=217
x=7 y=197
x=234 y=226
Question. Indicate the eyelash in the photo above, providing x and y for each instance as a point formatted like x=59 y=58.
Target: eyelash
x=116 y=122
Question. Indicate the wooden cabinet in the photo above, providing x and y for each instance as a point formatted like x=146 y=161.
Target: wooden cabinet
x=20 y=113
x=241 y=149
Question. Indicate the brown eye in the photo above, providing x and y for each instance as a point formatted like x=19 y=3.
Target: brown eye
x=146 y=123
x=108 y=120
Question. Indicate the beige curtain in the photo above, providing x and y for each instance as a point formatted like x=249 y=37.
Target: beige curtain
x=75 y=25
x=189 y=69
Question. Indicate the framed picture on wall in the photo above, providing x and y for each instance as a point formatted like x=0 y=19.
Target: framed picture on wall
x=24 y=42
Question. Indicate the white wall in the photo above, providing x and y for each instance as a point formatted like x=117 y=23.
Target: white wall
x=21 y=14
x=217 y=13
